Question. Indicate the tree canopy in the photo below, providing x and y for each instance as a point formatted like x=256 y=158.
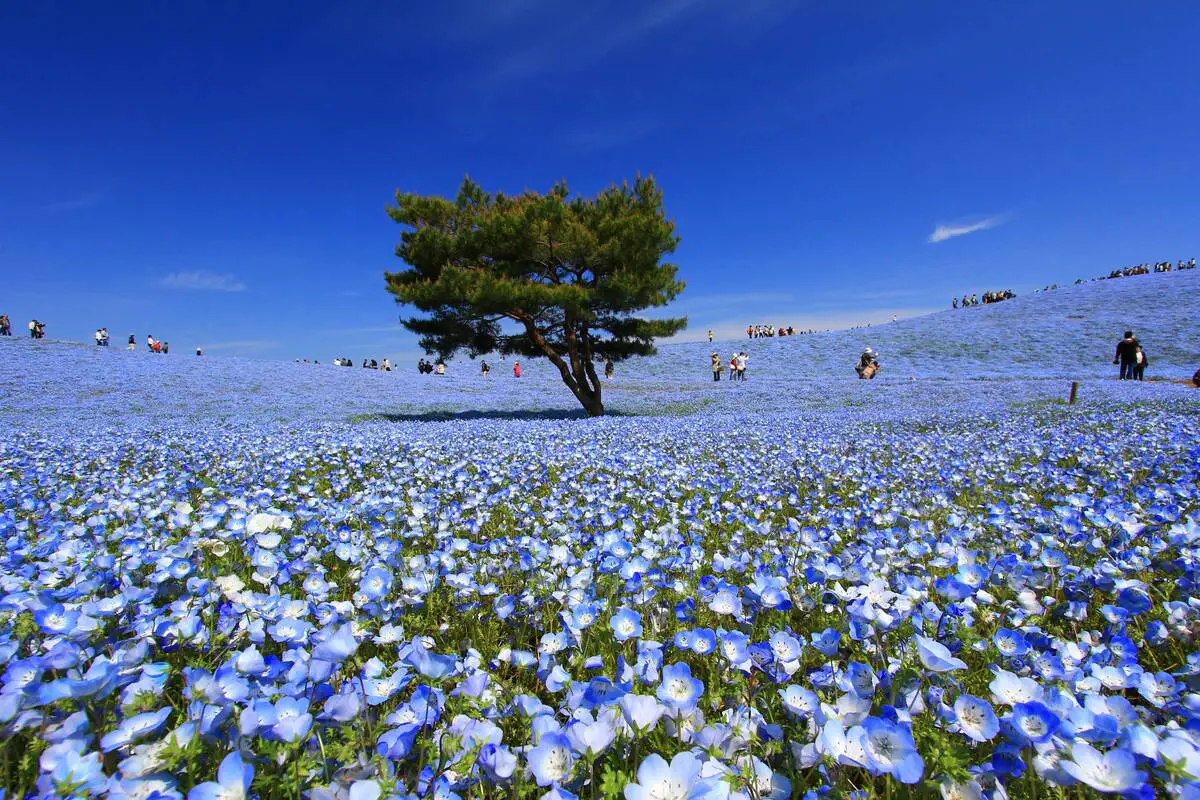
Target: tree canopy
x=539 y=275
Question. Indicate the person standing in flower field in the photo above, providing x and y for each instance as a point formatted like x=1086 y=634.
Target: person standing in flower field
x=132 y=342
x=516 y=369
x=1140 y=362
x=1126 y=355
x=717 y=366
x=5 y=325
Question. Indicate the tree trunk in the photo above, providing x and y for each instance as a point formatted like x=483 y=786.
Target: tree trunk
x=575 y=375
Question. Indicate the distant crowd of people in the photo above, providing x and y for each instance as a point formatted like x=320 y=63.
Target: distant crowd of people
x=1146 y=269
x=988 y=298
x=1136 y=269
x=764 y=331
x=37 y=330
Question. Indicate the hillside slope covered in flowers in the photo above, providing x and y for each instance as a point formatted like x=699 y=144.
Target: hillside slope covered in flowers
x=225 y=579
x=1066 y=334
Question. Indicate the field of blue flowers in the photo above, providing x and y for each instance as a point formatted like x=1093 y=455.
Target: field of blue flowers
x=228 y=579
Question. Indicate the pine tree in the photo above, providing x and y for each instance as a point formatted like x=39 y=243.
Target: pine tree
x=539 y=275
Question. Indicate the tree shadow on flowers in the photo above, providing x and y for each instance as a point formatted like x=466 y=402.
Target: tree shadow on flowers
x=548 y=414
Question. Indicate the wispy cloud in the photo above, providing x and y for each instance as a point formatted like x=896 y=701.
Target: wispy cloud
x=86 y=200
x=576 y=35
x=598 y=138
x=704 y=302
x=201 y=280
x=393 y=328
x=943 y=232
x=245 y=344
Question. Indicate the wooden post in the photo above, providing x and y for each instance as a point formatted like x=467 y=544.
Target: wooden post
x=1074 y=392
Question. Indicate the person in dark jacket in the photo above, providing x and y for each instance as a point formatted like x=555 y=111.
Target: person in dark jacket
x=1126 y=355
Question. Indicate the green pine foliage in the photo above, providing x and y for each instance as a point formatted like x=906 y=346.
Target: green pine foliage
x=539 y=275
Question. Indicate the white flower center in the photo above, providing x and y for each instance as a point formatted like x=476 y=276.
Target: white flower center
x=669 y=789
x=678 y=689
x=557 y=761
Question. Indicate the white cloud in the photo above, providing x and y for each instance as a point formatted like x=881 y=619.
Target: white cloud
x=943 y=232
x=76 y=203
x=202 y=281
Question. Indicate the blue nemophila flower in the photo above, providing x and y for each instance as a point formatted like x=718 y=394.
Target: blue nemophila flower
x=857 y=679
x=504 y=605
x=431 y=665
x=497 y=761
x=826 y=642
x=703 y=641
x=889 y=749
x=735 y=647
x=155 y=787
x=552 y=760
x=685 y=610
x=801 y=702
x=55 y=619
x=1114 y=771
x=70 y=769
x=626 y=624
x=641 y=712
x=1034 y=721
x=584 y=614
x=1054 y=559
x=365 y=790
x=232 y=783
x=591 y=736
x=936 y=656
x=1159 y=688
x=1010 y=689
x=1134 y=600
x=726 y=600
x=975 y=718
x=786 y=647
x=1010 y=643
x=658 y=780
x=397 y=742
x=292 y=720
x=679 y=691
x=376 y=582
x=341 y=707
x=335 y=645
x=134 y=728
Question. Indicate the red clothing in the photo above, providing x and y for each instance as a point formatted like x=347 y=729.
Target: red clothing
x=516 y=370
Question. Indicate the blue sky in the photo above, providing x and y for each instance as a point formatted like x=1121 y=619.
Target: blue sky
x=216 y=173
